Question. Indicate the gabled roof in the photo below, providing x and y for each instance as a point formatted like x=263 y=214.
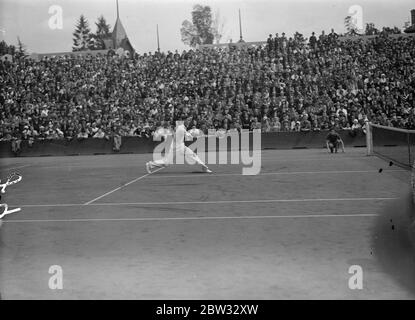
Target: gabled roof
x=119 y=37
x=118 y=34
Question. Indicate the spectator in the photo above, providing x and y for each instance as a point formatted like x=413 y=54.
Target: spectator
x=265 y=125
x=313 y=41
x=16 y=141
x=305 y=125
x=82 y=135
x=100 y=134
x=117 y=140
x=275 y=124
x=355 y=128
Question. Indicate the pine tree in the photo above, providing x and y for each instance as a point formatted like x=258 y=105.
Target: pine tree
x=350 y=26
x=82 y=36
x=21 y=49
x=102 y=33
x=7 y=49
x=371 y=29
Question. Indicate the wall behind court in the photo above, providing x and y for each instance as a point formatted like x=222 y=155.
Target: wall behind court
x=91 y=146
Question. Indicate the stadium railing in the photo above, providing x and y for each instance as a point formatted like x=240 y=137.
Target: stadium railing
x=394 y=144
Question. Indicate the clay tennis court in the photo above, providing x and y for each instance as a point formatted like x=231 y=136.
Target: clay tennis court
x=291 y=232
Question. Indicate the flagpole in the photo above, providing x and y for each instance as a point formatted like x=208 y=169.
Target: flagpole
x=240 y=26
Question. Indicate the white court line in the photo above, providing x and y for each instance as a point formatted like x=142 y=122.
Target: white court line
x=120 y=187
x=199 y=218
x=200 y=202
x=270 y=157
x=191 y=175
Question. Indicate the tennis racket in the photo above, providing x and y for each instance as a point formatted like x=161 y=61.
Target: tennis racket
x=6 y=210
x=12 y=178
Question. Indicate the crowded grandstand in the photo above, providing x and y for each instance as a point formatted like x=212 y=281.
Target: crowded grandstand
x=287 y=84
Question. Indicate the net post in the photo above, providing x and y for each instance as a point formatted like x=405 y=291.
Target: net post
x=413 y=181
x=369 y=139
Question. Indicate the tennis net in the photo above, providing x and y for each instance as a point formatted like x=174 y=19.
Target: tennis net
x=397 y=145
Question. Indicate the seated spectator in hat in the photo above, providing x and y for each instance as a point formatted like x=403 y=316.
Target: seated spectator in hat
x=296 y=126
x=146 y=131
x=255 y=124
x=341 y=111
x=217 y=124
x=265 y=124
x=275 y=124
x=42 y=133
x=94 y=129
x=82 y=135
x=355 y=128
x=26 y=134
x=343 y=123
x=99 y=134
x=69 y=134
x=225 y=125
x=286 y=126
x=246 y=122
x=51 y=134
x=410 y=124
x=293 y=123
x=5 y=134
x=305 y=125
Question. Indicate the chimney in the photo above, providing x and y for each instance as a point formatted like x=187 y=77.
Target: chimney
x=413 y=17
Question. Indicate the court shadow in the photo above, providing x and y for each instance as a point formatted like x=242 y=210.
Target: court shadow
x=394 y=240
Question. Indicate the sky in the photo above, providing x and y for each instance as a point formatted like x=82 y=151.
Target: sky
x=28 y=19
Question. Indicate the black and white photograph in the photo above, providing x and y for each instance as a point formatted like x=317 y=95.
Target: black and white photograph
x=207 y=150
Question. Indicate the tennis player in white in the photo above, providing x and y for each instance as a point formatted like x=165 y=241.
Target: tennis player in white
x=179 y=148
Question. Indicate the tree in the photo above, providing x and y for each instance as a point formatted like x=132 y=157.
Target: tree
x=21 y=49
x=189 y=34
x=201 y=30
x=389 y=30
x=371 y=29
x=103 y=33
x=7 y=49
x=82 y=36
x=350 y=26
x=4 y=48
